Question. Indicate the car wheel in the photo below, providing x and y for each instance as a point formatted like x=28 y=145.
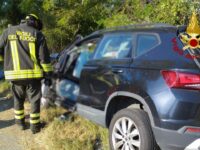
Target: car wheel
x=130 y=129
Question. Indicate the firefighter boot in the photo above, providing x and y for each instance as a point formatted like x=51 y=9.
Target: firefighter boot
x=21 y=124
x=35 y=128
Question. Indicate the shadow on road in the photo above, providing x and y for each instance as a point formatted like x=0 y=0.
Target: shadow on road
x=6 y=104
x=6 y=123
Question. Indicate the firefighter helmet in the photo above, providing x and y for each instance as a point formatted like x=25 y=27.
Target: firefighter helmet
x=33 y=20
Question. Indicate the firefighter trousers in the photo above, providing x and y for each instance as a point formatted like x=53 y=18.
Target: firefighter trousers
x=32 y=90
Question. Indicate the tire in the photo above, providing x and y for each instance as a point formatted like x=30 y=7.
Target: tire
x=130 y=129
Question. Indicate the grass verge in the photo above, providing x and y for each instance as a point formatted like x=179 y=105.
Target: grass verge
x=76 y=133
x=5 y=89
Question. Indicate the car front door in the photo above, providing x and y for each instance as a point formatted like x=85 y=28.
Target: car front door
x=107 y=71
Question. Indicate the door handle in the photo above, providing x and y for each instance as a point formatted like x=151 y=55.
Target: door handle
x=117 y=70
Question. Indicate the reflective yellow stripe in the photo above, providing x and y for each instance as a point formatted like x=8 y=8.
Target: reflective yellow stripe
x=28 y=71
x=47 y=67
x=19 y=117
x=35 y=121
x=23 y=74
x=33 y=55
x=15 y=56
x=1 y=58
x=18 y=112
x=35 y=115
x=26 y=76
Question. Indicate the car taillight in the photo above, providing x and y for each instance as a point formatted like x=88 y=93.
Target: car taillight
x=192 y=130
x=176 y=79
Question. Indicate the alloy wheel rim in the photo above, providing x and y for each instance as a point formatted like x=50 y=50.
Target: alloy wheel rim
x=125 y=135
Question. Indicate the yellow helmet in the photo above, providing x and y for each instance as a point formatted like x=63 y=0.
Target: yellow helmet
x=33 y=20
x=32 y=16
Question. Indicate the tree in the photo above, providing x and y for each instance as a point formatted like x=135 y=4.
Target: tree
x=64 y=19
x=9 y=12
x=155 y=11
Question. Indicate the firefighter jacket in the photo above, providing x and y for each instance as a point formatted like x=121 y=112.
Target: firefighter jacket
x=25 y=53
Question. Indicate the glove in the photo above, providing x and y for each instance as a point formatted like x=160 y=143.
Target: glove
x=47 y=82
x=46 y=87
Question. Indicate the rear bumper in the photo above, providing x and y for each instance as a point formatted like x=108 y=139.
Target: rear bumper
x=176 y=140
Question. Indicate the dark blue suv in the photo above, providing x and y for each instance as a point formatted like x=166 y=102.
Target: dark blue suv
x=141 y=84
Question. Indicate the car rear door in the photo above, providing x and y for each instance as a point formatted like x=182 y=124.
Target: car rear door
x=108 y=70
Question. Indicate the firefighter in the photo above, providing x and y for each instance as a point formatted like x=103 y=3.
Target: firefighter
x=26 y=59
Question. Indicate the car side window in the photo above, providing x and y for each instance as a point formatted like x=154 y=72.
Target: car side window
x=115 y=46
x=88 y=46
x=86 y=51
x=146 y=42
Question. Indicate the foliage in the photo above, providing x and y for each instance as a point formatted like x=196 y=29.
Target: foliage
x=155 y=11
x=63 y=19
x=4 y=86
x=4 y=89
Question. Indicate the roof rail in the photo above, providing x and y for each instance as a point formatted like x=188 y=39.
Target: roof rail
x=135 y=26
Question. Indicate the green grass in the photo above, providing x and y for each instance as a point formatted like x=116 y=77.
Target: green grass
x=4 y=86
x=75 y=134
x=5 y=89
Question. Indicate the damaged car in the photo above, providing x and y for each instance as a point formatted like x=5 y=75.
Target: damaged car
x=141 y=81
x=68 y=64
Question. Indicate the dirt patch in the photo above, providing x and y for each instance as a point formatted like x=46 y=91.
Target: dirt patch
x=11 y=137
